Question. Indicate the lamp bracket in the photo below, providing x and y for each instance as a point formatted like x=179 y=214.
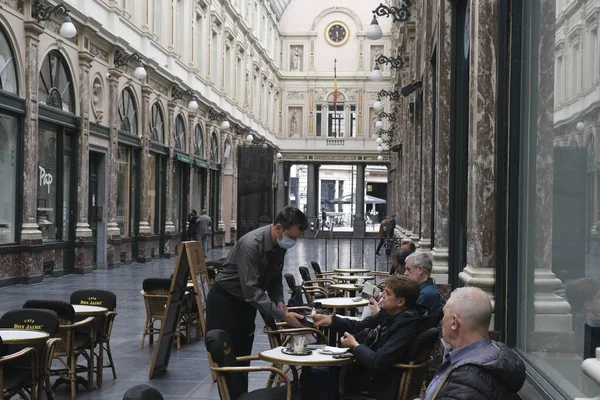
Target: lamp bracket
x=394 y=96
x=400 y=14
x=121 y=59
x=177 y=94
x=396 y=62
x=217 y=116
x=390 y=116
x=44 y=13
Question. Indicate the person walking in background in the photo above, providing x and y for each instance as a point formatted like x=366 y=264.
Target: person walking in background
x=323 y=218
x=192 y=228
x=204 y=229
x=382 y=233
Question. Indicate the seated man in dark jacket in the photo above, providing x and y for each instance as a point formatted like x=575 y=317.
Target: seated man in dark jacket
x=476 y=368
x=389 y=336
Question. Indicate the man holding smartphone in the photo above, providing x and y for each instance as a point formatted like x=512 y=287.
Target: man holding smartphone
x=383 y=344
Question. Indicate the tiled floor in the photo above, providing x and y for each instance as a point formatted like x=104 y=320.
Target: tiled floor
x=188 y=375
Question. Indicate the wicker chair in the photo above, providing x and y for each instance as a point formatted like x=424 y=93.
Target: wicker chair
x=225 y=365
x=318 y=273
x=20 y=380
x=43 y=320
x=156 y=294
x=412 y=374
x=104 y=324
x=73 y=344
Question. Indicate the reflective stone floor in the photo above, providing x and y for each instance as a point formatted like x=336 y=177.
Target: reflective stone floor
x=188 y=375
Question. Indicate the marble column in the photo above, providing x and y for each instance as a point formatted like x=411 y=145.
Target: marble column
x=113 y=233
x=84 y=245
x=426 y=138
x=280 y=201
x=31 y=265
x=144 y=229
x=480 y=269
x=220 y=231
x=236 y=144
x=552 y=323
x=170 y=231
x=442 y=144
x=312 y=195
x=359 y=213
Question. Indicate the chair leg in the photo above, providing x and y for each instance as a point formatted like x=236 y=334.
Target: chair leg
x=110 y=359
x=99 y=365
x=72 y=375
x=146 y=327
x=151 y=330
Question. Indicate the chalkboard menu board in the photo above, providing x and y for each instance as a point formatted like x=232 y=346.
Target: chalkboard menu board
x=190 y=265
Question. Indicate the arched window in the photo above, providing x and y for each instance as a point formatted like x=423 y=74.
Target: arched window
x=214 y=148
x=179 y=133
x=199 y=141
x=128 y=112
x=591 y=149
x=157 y=125
x=8 y=66
x=56 y=87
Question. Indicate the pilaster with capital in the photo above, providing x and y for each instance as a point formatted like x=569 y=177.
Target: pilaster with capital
x=112 y=228
x=84 y=245
x=442 y=144
x=145 y=229
x=170 y=232
x=30 y=232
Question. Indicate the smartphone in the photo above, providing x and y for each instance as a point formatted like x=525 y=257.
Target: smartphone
x=308 y=322
x=342 y=356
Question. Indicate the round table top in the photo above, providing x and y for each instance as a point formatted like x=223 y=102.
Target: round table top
x=316 y=359
x=82 y=309
x=13 y=336
x=345 y=286
x=353 y=277
x=342 y=302
x=351 y=271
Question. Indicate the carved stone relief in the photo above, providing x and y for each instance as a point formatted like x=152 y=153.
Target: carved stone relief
x=98 y=99
x=295 y=121
x=14 y=4
x=376 y=51
x=98 y=52
x=295 y=95
x=296 y=58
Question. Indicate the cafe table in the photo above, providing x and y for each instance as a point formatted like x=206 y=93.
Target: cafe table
x=22 y=336
x=352 y=271
x=348 y=288
x=337 y=303
x=353 y=278
x=82 y=309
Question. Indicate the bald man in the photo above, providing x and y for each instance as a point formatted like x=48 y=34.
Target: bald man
x=476 y=368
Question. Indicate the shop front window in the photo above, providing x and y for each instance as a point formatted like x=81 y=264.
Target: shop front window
x=8 y=66
x=54 y=171
x=154 y=194
x=8 y=177
x=559 y=239
x=180 y=134
x=177 y=197
x=55 y=88
x=214 y=148
x=157 y=125
x=199 y=141
x=126 y=191
x=128 y=113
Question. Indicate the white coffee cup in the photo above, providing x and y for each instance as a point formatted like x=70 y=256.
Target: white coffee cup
x=298 y=344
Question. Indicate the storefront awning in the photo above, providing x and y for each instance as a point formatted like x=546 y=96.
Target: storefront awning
x=184 y=158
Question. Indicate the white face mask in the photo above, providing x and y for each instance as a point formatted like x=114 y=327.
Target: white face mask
x=285 y=242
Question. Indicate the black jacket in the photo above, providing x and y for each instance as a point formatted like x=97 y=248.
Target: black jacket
x=389 y=229
x=494 y=373
x=390 y=348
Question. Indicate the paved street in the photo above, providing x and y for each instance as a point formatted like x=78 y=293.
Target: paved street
x=188 y=375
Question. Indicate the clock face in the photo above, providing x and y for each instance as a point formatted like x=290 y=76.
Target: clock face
x=336 y=34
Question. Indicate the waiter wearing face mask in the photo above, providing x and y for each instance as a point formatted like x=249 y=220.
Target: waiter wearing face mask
x=251 y=279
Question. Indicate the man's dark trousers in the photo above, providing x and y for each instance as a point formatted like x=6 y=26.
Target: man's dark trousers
x=234 y=316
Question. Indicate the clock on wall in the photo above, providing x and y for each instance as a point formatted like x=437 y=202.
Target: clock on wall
x=337 y=33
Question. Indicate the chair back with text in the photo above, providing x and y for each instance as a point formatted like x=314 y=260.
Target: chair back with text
x=218 y=344
x=101 y=298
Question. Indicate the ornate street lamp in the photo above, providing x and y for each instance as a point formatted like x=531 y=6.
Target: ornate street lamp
x=178 y=94
x=121 y=59
x=390 y=116
x=219 y=116
x=378 y=105
x=44 y=13
x=376 y=75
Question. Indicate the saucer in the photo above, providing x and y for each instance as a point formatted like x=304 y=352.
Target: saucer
x=291 y=352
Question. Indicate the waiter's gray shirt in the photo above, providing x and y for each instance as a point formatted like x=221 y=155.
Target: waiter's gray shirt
x=252 y=269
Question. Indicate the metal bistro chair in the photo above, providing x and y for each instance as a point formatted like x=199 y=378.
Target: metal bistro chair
x=72 y=344
x=104 y=324
x=21 y=381
x=411 y=374
x=318 y=272
x=42 y=320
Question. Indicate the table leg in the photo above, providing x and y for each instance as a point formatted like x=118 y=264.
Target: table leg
x=100 y=365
